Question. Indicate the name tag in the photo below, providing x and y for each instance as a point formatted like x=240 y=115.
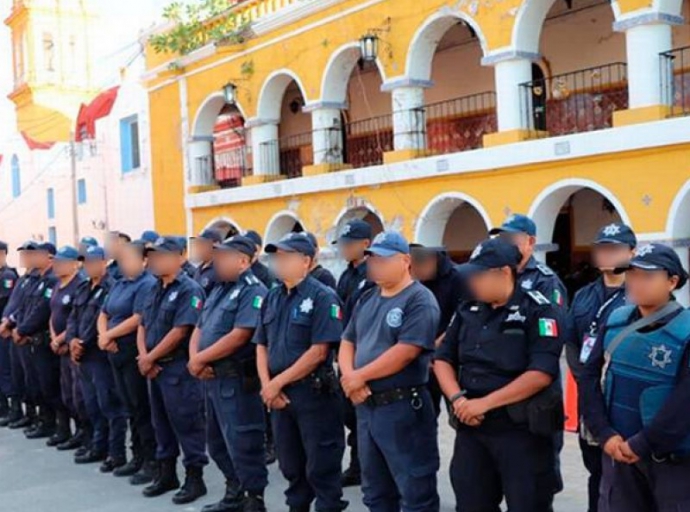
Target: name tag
x=588 y=342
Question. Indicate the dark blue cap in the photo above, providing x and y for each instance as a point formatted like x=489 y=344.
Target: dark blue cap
x=618 y=234
x=211 y=235
x=3 y=246
x=182 y=240
x=293 y=242
x=387 y=244
x=166 y=244
x=93 y=253
x=149 y=236
x=254 y=237
x=239 y=243
x=46 y=247
x=29 y=245
x=516 y=223
x=66 y=253
x=657 y=257
x=312 y=239
x=354 y=230
x=88 y=240
x=492 y=253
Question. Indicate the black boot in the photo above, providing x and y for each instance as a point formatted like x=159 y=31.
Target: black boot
x=43 y=430
x=165 y=481
x=90 y=457
x=231 y=502
x=14 y=413
x=193 y=487
x=62 y=429
x=352 y=476
x=111 y=464
x=146 y=474
x=131 y=468
x=26 y=420
x=73 y=442
x=254 y=502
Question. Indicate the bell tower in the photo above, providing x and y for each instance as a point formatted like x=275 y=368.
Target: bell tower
x=52 y=67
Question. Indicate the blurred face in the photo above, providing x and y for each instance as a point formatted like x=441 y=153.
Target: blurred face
x=353 y=250
x=649 y=288
x=491 y=285
x=3 y=258
x=165 y=264
x=202 y=249
x=113 y=244
x=607 y=257
x=25 y=259
x=387 y=272
x=64 y=269
x=95 y=268
x=131 y=261
x=523 y=241
x=41 y=259
x=424 y=266
x=291 y=266
x=230 y=264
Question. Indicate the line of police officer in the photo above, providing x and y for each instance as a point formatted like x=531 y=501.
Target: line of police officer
x=194 y=357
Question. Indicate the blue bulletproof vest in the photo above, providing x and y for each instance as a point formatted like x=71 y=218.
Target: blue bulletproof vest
x=643 y=371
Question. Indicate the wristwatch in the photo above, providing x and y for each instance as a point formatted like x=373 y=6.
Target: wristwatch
x=457 y=396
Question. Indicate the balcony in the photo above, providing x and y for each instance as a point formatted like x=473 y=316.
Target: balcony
x=675 y=80
x=367 y=140
x=230 y=166
x=575 y=102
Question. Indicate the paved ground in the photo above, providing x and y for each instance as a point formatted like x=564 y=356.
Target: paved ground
x=39 y=479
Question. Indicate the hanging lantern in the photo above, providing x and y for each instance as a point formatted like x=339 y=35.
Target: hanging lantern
x=369 y=47
x=230 y=93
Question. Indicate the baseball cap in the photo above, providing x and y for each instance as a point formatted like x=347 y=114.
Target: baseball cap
x=238 y=243
x=149 y=236
x=211 y=235
x=657 y=257
x=46 y=247
x=617 y=234
x=93 y=253
x=516 y=223
x=293 y=242
x=88 y=240
x=29 y=245
x=387 y=244
x=254 y=237
x=166 y=244
x=66 y=253
x=312 y=239
x=182 y=240
x=492 y=253
x=3 y=246
x=354 y=230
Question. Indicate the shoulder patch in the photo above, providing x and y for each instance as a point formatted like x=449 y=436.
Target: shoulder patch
x=544 y=269
x=538 y=297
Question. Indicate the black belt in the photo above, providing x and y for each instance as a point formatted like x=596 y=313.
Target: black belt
x=175 y=355
x=414 y=394
x=226 y=368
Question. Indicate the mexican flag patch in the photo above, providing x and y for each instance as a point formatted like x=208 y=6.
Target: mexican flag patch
x=336 y=312
x=48 y=293
x=257 y=302
x=557 y=298
x=548 y=327
x=196 y=303
x=7 y=283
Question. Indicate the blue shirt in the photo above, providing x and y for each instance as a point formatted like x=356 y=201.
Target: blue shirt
x=114 y=270
x=324 y=276
x=264 y=274
x=35 y=313
x=8 y=279
x=232 y=305
x=16 y=302
x=537 y=276
x=292 y=321
x=351 y=285
x=205 y=275
x=88 y=301
x=61 y=303
x=188 y=268
x=378 y=323
x=176 y=305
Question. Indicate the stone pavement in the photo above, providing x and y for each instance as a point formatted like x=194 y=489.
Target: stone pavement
x=34 y=478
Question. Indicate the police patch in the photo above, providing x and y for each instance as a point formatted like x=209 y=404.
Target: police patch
x=394 y=318
x=172 y=296
x=257 y=302
x=235 y=293
x=48 y=293
x=307 y=305
x=66 y=299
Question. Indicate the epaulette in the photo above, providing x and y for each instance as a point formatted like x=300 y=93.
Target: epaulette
x=251 y=280
x=544 y=270
x=538 y=297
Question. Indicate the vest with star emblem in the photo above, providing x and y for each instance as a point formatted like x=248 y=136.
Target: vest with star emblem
x=643 y=371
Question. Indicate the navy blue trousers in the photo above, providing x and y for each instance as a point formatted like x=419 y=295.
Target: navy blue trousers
x=31 y=387
x=7 y=384
x=70 y=389
x=398 y=451
x=177 y=411
x=310 y=441
x=18 y=380
x=45 y=366
x=236 y=430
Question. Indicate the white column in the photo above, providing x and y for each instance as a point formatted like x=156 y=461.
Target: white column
x=265 y=150
x=409 y=120
x=200 y=162
x=327 y=134
x=683 y=295
x=644 y=43
x=513 y=107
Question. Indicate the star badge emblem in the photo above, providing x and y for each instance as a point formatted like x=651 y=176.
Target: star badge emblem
x=644 y=250
x=527 y=284
x=307 y=305
x=611 y=230
x=660 y=356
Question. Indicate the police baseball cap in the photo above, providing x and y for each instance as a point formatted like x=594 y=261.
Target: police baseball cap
x=166 y=244
x=182 y=240
x=490 y=254
x=657 y=257
x=254 y=237
x=210 y=235
x=29 y=245
x=420 y=251
x=616 y=234
x=293 y=242
x=46 y=247
x=149 y=236
x=3 y=246
x=517 y=223
x=238 y=243
x=88 y=240
x=387 y=244
x=66 y=253
x=354 y=230
x=312 y=239
x=93 y=253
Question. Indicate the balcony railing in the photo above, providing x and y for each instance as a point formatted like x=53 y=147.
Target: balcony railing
x=675 y=79
x=367 y=140
x=580 y=101
x=231 y=165
x=460 y=124
x=203 y=170
x=296 y=151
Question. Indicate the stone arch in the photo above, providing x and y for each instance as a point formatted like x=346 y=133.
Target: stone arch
x=336 y=76
x=282 y=223
x=365 y=212
x=272 y=92
x=226 y=226
x=207 y=113
x=678 y=230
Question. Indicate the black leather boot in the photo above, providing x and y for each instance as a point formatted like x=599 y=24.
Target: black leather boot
x=254 y=502
x=90 y=457
x=193 y=487
x=146 y=474
x=14 y=413
x=73 y=442
x=131 y=468
x=62 y=429
x=25 y=420
x=231 y=502
x=111 y=464
x=165 y=481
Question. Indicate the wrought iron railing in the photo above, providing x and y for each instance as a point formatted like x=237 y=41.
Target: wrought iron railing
x=580 y=101
x=675 y=79
x=231 y=165
x=203 y=170
x=367 y=140
x=296 y=151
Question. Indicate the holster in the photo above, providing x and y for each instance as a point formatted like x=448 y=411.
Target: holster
x=42 y=338
x=542 y=413
x=324 y=381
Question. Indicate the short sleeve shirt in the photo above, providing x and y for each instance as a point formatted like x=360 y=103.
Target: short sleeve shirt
x=205 y=275
x=61 y=303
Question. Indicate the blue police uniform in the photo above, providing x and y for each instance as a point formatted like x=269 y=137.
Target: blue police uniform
x=644 y=364
x=126 y=298
x=264 y=274
x=177 y=407
x=506 y=455
x=8 y=389
x=235 y=412
x=309 y=431
x=189 y=269
x=114 y=270
x=324 y=276
x=205 y=275
x=104 y=407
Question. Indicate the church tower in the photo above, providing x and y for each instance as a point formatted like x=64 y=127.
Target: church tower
x=52 y=68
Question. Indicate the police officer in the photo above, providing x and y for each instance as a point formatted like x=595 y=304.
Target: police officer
x=114 y=243
x=434 y=269
x=149 y=237
x=104 y=407
x=202 y=252
x=589 y=311
x=187 y=267
x=384 y=359
x=496 y=366
x=33 y=330
x=10 y=399
x=321 y=274
x=66 y=269
x=176 y=397
x=221 y=354
x=259 y=269
x=117 y=328
x=640 y=416
x=353 y=241
x=86 y=242
x=300 y=323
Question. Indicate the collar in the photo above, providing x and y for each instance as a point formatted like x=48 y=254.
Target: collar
x=176 y=279
x=138 y=278
x=301 y=289
x=360 y=269
x=531 y=264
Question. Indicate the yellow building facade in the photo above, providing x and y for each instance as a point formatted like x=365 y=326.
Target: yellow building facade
x=436 y=118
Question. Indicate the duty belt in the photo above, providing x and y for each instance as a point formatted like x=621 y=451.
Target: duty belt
x=226 y=368
x=414 y=394
x=178 y=353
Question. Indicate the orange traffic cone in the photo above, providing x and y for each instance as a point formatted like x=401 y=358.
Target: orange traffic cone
x=570 y=403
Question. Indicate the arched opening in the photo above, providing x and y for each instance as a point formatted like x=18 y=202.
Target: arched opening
x=461 y=106
x=362 y=213
x=280 y=225
x=225 y=227
x=678 y=228
x=455 y=222
x=576 y=87
x=218 y=146
x=676 y=85
x=568 y=218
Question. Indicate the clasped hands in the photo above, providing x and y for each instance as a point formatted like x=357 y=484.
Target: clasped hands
x=470 y=411
x=355 y=387
x=272 y=394
x=619 y=450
